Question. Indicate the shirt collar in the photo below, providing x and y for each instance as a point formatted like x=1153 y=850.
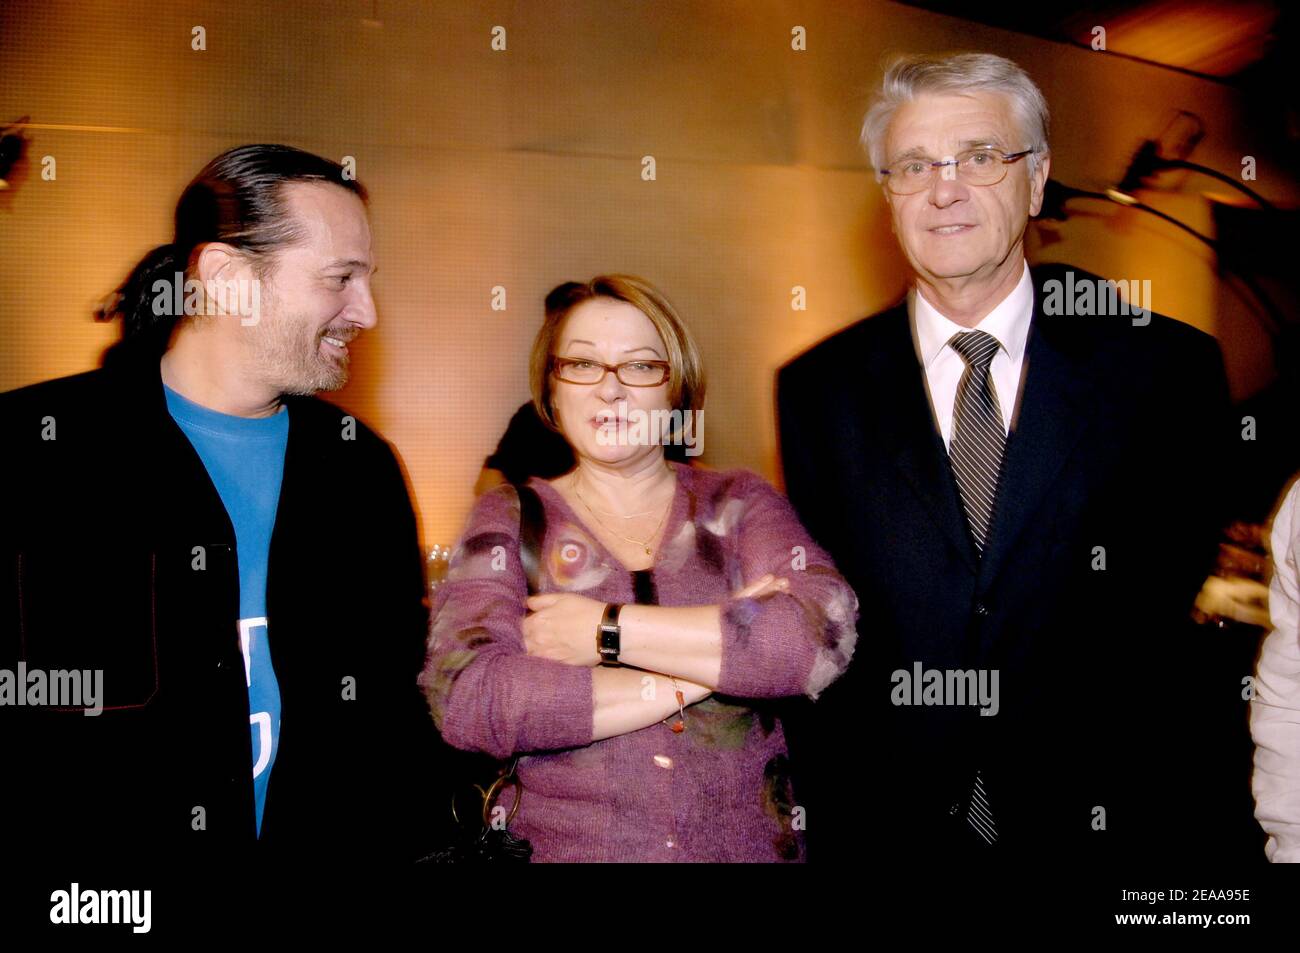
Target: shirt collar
x=1008 y=322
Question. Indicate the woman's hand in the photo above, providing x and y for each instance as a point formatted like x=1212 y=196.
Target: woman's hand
x=762 y=587
x=562 y=626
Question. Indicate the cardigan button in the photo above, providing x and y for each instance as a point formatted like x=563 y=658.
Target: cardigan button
x=981 y=609
x=663 y=761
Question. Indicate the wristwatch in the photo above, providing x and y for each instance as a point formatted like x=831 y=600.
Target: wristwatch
x=609 y=635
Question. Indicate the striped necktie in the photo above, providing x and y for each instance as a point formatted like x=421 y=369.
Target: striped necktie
x=978 y=440
x=976 y=449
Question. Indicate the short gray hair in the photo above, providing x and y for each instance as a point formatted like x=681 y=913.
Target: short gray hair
x=912 y=75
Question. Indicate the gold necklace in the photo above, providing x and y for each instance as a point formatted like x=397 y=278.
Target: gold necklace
x=629 y=516
x=644 y=543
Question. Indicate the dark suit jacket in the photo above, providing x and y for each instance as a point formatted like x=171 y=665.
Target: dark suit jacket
x=100 y=531
x=1113 y=452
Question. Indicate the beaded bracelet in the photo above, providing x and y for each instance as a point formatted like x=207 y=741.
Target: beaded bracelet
x=680 y=725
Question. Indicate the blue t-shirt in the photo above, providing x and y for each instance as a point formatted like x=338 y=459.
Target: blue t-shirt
x=244 y=457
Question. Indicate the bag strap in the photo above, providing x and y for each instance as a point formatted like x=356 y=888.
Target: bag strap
x=532 y=529
x=643 y=587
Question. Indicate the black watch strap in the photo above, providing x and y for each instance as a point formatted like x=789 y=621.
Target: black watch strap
x=609 y=635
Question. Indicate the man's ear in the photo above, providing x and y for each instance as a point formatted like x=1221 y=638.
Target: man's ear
x=889 y=205
x=1039 y=183
x=218 y=261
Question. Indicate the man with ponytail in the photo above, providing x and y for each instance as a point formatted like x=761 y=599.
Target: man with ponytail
x=237 y=557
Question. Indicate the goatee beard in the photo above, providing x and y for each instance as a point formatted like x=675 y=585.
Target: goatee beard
x=301 y=369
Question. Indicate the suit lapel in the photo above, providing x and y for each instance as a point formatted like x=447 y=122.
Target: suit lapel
x=919 y=452
x=1052 y=415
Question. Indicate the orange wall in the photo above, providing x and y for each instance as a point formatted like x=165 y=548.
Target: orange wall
x=522 y=169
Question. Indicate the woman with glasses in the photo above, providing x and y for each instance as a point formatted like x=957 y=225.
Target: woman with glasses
x=675 y=604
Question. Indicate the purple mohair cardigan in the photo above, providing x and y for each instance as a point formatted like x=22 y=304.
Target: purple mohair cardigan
x=720 y=790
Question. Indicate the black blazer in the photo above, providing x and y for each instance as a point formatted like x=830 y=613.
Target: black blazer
x=1115 y=444
x=103 y=527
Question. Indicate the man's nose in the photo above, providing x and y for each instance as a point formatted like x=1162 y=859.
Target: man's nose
x=947 y=188
x=361 y=310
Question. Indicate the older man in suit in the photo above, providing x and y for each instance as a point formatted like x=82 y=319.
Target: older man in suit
x=1018 y=480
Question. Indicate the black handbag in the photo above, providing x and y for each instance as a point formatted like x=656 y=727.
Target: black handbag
x=476 y=838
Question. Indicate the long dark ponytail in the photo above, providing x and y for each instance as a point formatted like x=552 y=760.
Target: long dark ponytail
x=237 y=199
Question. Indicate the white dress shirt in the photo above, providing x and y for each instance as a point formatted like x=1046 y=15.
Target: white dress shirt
x=1008 y=322
x=1275 y=709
